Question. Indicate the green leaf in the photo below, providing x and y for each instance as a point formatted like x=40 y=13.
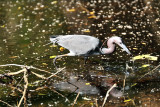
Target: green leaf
x=52 y=56
x=127 y=100
x=147 y=56
x=145 y=65
x=134 y=84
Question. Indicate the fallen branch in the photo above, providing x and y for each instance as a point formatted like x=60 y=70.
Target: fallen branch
x=59 y=93
x=15 y=88
x=25 y=66
x=6 y=103
x=96 y=102
x=25 y=77
x=150 y=71
x=38 y=75
x=124 y=83
x=107 y=94
x=31 y=67
x=40 y=88
x=25 y=88
x=56 y=73
x=15 y=73
x=76 y=99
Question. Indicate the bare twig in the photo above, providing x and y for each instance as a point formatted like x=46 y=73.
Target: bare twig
x=40 y=69
x=107 y=94
x=38 y=75
x=96 y=102
x=56 y=73
x=25 y=89
x=124 y=83
x=40 y=88
x=15 y=88
x=18 y=72
x=59 y=93
x=150 y=71
x=6 y=103
x=12 y=65
x=25 y=77
x=76 y=99
x=28 y=67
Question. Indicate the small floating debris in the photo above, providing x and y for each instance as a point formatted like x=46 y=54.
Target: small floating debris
x=147 y=56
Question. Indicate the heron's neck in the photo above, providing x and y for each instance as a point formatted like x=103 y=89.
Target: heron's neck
x=110 y=48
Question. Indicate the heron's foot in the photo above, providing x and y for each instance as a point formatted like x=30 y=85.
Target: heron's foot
x=85 y=60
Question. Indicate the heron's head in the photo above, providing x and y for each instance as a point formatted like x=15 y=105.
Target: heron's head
x=117 y=40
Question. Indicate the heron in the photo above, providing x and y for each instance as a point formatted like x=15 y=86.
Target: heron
x=85 y=45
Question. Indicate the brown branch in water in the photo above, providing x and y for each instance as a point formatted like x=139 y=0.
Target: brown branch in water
x=51 y=88
x=25 y=77
x=30 y=67
x=38 y=75
x=40 y=70
x=124 y=83
x=15 y=88
x=76 y=99
x=25 y=89
x=15 y=73
x=86 y=10
x=6 y=103
x=96 y=102
x=25 y=66
x=12 y=65
x=150 y=71
x=40 y=88
x=56 y=73
x=107 y=94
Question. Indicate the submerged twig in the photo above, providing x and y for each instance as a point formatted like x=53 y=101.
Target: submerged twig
x=15 y=88
x=6 y=103
x=28 y=67
x=150 y=71
x=59 y=93
x=96 y=102
x=15 y=73
x=40 y=69
x=56 y=73
x=107 y=94
x=76 y=99
x=38 y=75
x=12 y=65
x=40 y=88
x=124 y=83
x=25 y=89
x=25 y=77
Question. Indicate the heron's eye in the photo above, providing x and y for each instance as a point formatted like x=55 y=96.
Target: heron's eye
x=120 y=43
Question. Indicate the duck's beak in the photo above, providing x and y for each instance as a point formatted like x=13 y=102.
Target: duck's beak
x=124 y=48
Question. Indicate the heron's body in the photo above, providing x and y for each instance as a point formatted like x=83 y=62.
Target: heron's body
x=84 y=45
x=79 y=44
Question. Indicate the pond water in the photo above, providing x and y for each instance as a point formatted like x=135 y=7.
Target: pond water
x=26 y=26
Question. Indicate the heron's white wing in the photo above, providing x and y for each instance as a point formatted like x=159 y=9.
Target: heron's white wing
x=78 y=44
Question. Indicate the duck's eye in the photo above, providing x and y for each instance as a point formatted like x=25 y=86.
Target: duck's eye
x=120 y=43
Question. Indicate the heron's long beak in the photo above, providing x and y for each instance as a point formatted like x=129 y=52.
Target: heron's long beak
x=125 y=48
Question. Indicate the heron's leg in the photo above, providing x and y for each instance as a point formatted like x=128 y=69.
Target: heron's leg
x=69 y=54
x=54 y=60
x=85 y=59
